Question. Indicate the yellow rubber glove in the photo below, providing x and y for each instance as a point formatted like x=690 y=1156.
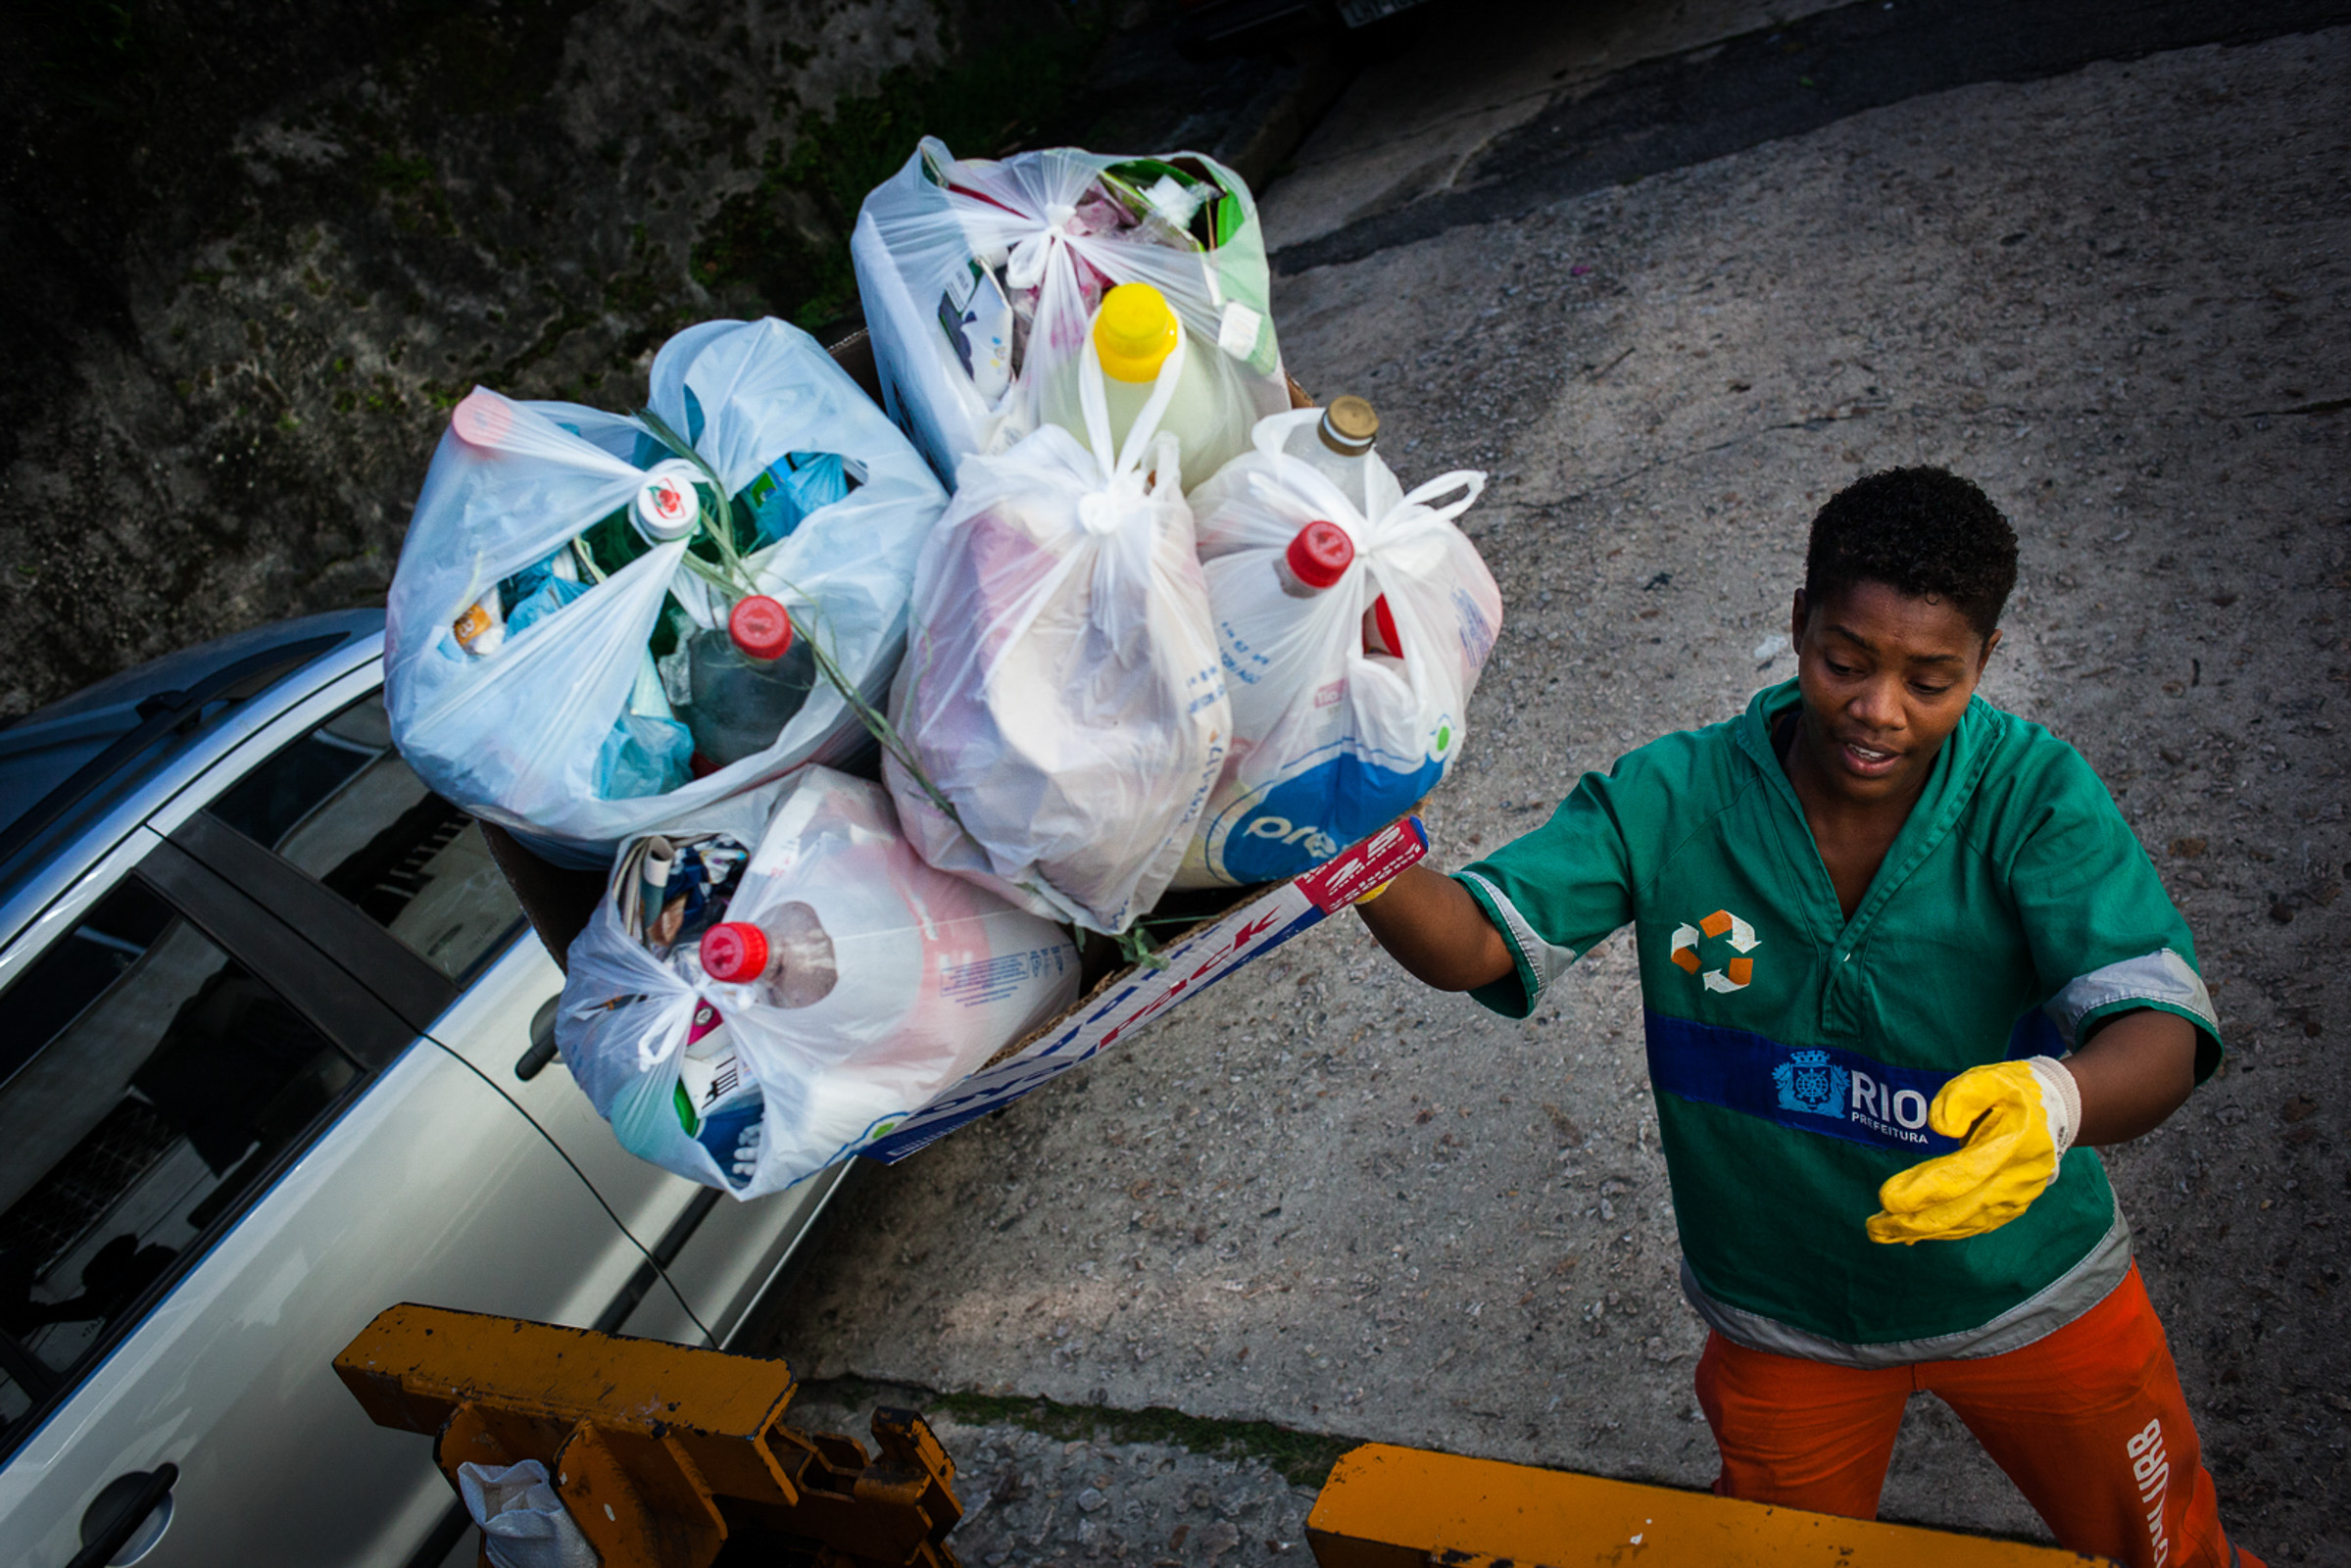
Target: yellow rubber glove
x=2018 y=1118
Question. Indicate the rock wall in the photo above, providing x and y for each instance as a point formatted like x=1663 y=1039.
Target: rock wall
x=256 y=251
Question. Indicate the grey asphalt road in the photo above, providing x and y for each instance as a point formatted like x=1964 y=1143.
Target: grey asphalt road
x=1330 y=1205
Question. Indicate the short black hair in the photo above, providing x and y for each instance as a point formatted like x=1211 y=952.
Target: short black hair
x=1923 y=531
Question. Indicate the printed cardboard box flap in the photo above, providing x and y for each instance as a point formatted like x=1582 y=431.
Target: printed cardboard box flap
x=1133 y=998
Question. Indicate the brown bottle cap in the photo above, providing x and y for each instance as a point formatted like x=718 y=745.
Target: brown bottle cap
x=1349 y=425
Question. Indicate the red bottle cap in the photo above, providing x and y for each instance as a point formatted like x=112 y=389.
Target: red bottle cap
x=734 y=952
x=761 y=627
x=1384 y=618
x=1320 y=554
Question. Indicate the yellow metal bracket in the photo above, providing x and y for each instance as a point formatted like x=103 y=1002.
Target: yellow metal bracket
x=662 y=1455
x=1390 y=1508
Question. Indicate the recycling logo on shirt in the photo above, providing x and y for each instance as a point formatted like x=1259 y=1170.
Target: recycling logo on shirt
x=1735 y=972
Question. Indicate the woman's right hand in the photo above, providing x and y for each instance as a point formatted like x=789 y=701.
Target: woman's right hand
x=1430 y=925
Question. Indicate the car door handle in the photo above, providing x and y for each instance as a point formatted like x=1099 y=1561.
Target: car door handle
x=542 y=1041
x=120 y=1511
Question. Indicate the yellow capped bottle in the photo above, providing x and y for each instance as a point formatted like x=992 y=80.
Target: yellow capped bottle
x=1135 y=335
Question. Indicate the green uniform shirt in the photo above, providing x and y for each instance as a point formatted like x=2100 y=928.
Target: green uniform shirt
x=1794 y=1053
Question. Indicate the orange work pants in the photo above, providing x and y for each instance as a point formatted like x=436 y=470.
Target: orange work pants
x=2088 y=1422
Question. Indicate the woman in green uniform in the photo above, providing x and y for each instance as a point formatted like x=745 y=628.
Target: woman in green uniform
x=1902 y=963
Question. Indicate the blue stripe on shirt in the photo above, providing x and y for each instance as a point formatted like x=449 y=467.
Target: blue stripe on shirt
x=1812 y=1088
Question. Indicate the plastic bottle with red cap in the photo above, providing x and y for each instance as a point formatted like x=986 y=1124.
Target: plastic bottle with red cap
x=746 y=681
x=1380 y=634
x=1317 y=558
x=787 y=952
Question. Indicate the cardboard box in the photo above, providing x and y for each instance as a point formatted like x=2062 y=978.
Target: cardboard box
x=1130 y=1001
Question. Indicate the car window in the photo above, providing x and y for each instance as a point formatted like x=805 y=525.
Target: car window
x=152 y=1080
x=342 y=805
x=14 y=1404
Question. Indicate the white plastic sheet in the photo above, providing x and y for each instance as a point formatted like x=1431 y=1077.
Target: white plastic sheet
x=1331 y=741
x=523 y=1523
x=515 y=737
x=931 y=977
x=945 y=247
x=1061 y=691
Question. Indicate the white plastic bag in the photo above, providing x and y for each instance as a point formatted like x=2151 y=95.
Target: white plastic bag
x=525 y=736
x=1060 y=693
x=1330 y=741
x=925 y=978
x=523 y=1523
x=979 y=276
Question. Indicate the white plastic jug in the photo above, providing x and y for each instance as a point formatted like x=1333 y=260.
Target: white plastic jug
x=1060 y=705
x=1351 y=641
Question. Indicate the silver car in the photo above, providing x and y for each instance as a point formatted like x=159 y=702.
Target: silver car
x=276 y=1053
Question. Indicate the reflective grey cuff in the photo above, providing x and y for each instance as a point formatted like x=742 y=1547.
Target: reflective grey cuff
x=2162 y=977
x=1539 y=963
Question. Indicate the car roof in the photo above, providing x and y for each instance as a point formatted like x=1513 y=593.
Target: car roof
x=80 y=774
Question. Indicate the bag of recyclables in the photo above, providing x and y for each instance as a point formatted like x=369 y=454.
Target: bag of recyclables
x=559 y=626
x=523 y=1523
x=777 y=977
x=1059 y=714
x=979 y=278
x=1349 y=694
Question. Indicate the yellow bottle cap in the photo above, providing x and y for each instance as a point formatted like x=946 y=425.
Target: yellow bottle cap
x=1134 y=332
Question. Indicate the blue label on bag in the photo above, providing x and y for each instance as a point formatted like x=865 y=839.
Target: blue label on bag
x=1306 y=818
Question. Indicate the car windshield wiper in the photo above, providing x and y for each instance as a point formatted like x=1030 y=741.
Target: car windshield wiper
x=160 y=714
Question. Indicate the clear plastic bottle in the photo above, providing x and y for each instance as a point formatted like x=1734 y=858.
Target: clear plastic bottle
x=1135 y=332
x=746 y=682
x=787 y=952
x=1317 y=557
x=1338 y=445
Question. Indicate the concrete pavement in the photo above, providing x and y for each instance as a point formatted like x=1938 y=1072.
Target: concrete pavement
x=1340 y=1204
